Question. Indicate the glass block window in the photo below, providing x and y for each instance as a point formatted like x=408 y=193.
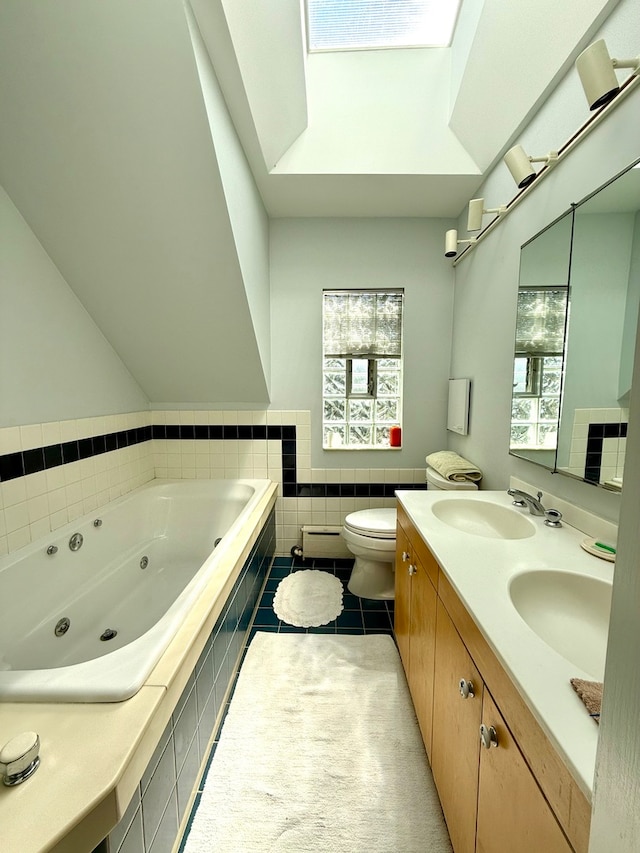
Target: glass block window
x=537 y=378
x=361 y=367
x=535 y=408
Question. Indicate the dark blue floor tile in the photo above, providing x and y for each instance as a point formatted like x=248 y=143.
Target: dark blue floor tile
x=373 y=604
x=350 y=601
x=267 y=600
x=265 y=617
x=353 y=631
x=343 y=574
x=272 y=584
x=322 y=564
x=350 y=619
x=375 y=620
x=279 y=572
x=291 y=629
x=323 y=629
x=282 y=561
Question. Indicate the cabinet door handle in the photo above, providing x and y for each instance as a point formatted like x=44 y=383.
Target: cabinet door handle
x=412 y=569
x=466 y=689
x=488 y=736
x=405 y=556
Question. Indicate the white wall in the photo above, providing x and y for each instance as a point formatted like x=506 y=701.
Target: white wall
x=249 y=222
x=309 y=255
x=486 y=282
x=55 y=364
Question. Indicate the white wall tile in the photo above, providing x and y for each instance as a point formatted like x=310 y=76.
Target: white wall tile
x=10 y=440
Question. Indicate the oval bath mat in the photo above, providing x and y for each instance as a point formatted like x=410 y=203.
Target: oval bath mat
x=308 y=599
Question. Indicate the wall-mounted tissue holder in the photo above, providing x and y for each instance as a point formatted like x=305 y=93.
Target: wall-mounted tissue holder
x=458 y=412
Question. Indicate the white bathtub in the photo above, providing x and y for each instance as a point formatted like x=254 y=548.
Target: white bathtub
x=103 y=588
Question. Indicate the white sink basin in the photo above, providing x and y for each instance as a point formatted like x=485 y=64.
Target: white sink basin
x=483 y=518
x=570 y=612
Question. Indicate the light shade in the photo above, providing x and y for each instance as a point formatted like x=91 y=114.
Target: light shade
x=520 y=166
x=595 y=68
x=476 y=209
x=451 y=243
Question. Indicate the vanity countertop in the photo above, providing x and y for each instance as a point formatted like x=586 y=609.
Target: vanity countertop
x=480 y=569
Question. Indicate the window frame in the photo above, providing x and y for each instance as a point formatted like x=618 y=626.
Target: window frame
x=337 y=433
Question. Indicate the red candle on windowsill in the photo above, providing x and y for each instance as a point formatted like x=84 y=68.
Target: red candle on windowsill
x=395 y=436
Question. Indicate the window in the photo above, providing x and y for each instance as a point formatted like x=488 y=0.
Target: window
x=537 y=379
x=362 y=367
x=367 y=24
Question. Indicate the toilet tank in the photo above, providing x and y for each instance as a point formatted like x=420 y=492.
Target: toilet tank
x=437 y=481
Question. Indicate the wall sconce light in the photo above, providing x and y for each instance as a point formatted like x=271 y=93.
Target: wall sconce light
x=477 y=211
x=595 y=68
x=519 y=164
x=451 y=243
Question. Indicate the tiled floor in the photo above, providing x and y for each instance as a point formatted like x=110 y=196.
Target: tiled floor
x=359 y=616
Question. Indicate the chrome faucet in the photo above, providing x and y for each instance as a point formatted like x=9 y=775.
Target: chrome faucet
x=525 y=499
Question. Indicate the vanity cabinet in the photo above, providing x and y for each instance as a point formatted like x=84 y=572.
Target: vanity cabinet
x=517 y=795
x=455 y=746
x=512 y=812
x=415 y=622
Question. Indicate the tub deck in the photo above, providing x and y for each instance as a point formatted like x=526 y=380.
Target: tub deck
x=93 y=755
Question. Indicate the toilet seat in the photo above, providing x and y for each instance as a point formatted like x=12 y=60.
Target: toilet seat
x=374 y=523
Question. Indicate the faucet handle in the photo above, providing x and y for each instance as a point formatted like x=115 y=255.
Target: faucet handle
x=552 y=518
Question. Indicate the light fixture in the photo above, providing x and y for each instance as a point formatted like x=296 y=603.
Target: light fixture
x=477 y=210
x=451 y=243
x=519 y=164
x=595 y=68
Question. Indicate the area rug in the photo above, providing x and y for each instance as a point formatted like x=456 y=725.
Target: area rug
x=320 y=753
x=308 y=599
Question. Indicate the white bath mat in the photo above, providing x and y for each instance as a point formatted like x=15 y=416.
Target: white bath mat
x=320 y=753
x=308 y=599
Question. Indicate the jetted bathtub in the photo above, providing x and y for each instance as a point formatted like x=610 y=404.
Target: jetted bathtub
x=89 y=623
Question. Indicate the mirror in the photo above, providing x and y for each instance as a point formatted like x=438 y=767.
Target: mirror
x=571 y=387
x=543 y=290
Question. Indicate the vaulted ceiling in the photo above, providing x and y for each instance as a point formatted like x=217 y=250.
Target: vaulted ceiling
x=148 y=143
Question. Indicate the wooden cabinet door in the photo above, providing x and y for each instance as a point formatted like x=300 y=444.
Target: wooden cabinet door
x=422 y=649
x=456 y=739
x=402 y=604
x=512 y=812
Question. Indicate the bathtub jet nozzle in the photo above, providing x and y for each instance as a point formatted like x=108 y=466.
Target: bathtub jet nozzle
x=108 y=634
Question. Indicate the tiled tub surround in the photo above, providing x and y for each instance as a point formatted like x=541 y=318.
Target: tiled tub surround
x=53 y=473
x=97 y=758
x=598 y=444
x=161 y=800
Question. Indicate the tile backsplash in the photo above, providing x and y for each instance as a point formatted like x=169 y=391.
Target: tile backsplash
x=54 y=472
x=598 y=444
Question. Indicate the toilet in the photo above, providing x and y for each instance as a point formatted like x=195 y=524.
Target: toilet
x=370 y=535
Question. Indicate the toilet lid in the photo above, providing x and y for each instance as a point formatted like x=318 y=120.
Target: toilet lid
x=380 y=523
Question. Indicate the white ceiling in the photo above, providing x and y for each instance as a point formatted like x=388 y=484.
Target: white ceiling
x=391 y=132
x=107 y=150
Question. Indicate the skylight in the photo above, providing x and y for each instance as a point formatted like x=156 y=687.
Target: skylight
x=369 y=24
